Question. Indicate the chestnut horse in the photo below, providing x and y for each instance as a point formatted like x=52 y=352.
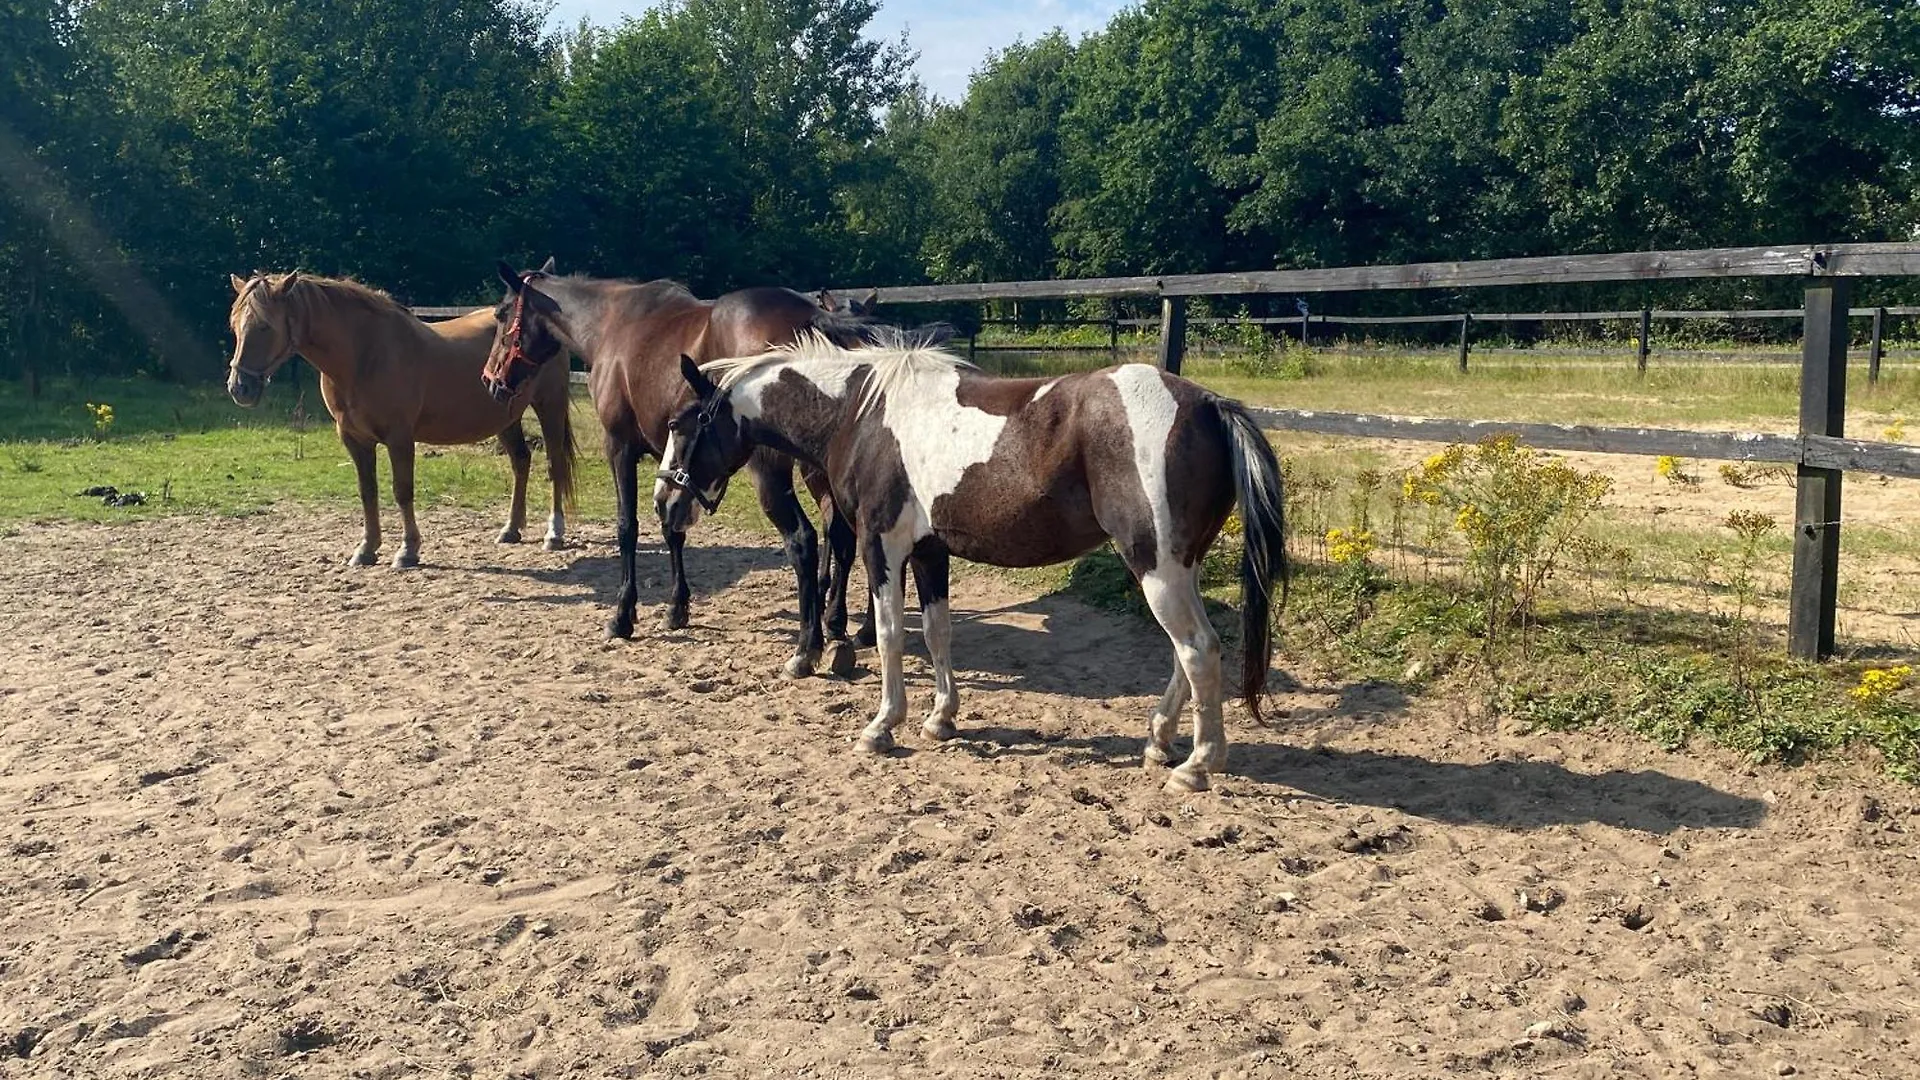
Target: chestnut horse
x=929 y=458
x=631 y=336
x=388 y=377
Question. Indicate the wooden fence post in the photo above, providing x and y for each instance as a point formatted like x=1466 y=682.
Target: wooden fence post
x=1173 y=333
x=1646 y=334
x=1466 y=324
x=1304 y=341
x=1816 y=528
x=1113 y=331
x=1873 y=350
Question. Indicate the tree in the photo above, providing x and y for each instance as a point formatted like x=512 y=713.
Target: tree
x=995 y=177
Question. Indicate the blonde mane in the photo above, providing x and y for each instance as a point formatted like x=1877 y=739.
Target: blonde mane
x=309 y=292
x=896 y=361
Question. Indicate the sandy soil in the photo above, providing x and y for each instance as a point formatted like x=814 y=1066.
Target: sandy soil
x=261 y=815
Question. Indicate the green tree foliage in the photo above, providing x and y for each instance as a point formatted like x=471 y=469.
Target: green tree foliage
x=735 y=142
x=996 y=168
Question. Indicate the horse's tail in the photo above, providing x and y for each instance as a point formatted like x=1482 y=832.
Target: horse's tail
x=1263 y=559
x=561 y=459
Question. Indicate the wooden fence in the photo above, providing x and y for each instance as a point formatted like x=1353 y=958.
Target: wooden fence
x=1820 y=453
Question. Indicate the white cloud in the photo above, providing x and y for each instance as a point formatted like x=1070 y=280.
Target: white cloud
x=952 y=39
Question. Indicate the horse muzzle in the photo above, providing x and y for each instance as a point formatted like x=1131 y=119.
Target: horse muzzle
x=501 y=392
x=245 y=388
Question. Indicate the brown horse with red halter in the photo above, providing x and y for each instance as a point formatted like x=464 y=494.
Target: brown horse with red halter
x=631 y=336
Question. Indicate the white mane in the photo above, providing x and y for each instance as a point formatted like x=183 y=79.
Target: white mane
x=896 y=361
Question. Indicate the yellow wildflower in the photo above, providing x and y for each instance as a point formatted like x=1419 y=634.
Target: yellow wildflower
x=1348 y=547
x=1879 y=684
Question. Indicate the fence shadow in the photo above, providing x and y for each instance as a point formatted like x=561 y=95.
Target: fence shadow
x=1507 y=794
x=1523 y=795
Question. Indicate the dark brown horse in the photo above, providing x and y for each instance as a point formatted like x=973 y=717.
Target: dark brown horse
x=928 y=458
x=632 y=335
x=389 y=378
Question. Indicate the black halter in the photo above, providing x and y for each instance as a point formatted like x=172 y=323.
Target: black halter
x=680 y=478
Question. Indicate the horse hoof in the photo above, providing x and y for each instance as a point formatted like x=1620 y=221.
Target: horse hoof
x=674 y=619
x=866 y=637
x=797 y=667
x=508 y=536
x=1158 y=755
x=939 y=728
x=363 y=558
x=554 y=543
x=1182 y=782
x=840 y=658
x=620 y=627
x=881 y=744
x=406 y=560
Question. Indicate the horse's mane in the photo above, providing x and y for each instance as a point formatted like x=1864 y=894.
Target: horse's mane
x=896 y=360
x=311 y=289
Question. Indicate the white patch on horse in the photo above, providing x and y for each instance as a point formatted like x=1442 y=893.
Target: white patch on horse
x=1042 y=392
x=660 y=489
x=939 y=438
x=830 y=378
x=1151 y=410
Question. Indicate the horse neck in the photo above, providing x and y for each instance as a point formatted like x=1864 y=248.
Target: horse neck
x=804 y=425
x=333 y=340
x=582 y=316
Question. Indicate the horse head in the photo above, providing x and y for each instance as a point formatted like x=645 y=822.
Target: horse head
x=265 y=332
x=705 y=447
x=525 y=335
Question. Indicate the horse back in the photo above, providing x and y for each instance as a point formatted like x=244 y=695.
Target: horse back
x=1049 y=468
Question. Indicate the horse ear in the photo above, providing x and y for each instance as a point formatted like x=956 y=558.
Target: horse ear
x=865 y=307
x=239 y=283
x=286 y=284
x=547 y=267
x=508 y=274
x=825 y=299
x=702 y=386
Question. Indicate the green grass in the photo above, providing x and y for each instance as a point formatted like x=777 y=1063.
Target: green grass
x=191 y=450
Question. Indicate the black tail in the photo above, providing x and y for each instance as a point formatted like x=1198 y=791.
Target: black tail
x=1263 y=560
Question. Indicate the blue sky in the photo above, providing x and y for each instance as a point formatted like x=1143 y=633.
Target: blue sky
x=952 y=39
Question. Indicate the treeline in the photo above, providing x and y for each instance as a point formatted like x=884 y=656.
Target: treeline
x=150 y=147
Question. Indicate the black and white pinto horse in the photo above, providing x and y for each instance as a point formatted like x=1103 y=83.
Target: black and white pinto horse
x=929 y=458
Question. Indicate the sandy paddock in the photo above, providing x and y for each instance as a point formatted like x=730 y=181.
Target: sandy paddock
x=262 y=815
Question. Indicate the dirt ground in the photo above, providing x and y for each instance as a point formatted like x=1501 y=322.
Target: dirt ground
x=263 y=815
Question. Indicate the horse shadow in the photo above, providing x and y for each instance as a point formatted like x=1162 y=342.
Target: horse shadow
x=1135 y=660
x=595 y=579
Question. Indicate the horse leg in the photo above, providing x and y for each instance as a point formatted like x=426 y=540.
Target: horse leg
x=836 y=565
x=365 y=466
x=1166 y=718
x=624 y=456
x=400 y=455
x=676 y=616
x=514 y=442
x=936 y=625
x=888 y=592
x=782 y=506
x=556 y=430
x=1173 y=593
